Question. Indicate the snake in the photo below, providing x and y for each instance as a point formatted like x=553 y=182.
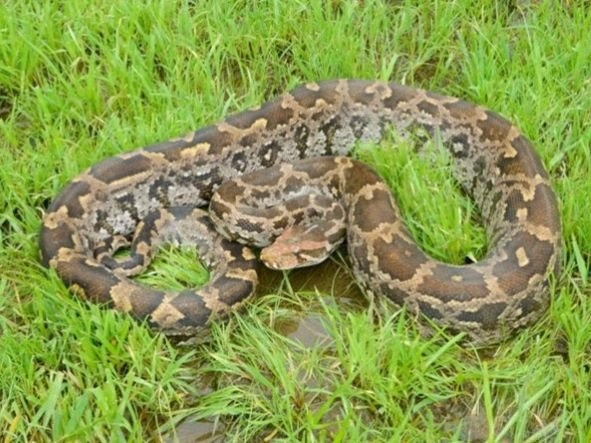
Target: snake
x=213 y=188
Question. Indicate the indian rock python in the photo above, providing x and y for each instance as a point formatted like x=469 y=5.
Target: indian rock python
x=150 y=195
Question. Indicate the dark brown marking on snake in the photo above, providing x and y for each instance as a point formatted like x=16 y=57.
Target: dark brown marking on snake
x=367 y=211
x=517 y=278
x=525 y=161
x=70 y=199
x=171 y=150
x=455 y=284
x=403 y=264
x=398 y=296
x=308 y=98
x=56 y=239
x=400 y=97
x=277 y=116
x=269 y=153
x=116 y=168
x=188 y=300
x=429 y=310
x=428 y=108
x=493 y=127
x=159 y=190
x=239 y=161
x=486 y=315
x=300 y=137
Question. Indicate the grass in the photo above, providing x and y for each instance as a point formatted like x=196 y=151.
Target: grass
x=80 y=81
x=447 y=230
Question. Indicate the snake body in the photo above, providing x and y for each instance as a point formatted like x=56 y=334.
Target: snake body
x=151 y=195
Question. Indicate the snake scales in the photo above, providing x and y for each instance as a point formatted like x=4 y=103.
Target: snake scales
x=151 y=195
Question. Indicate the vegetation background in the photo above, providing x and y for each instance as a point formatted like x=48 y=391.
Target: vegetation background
x=83 y=80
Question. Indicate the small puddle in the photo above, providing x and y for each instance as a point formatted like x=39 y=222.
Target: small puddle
x=198 y=431
x=329 y=277
x=306 y=328
x=309 y=331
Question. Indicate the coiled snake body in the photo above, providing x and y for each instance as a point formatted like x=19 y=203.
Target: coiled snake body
x=151 y=195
